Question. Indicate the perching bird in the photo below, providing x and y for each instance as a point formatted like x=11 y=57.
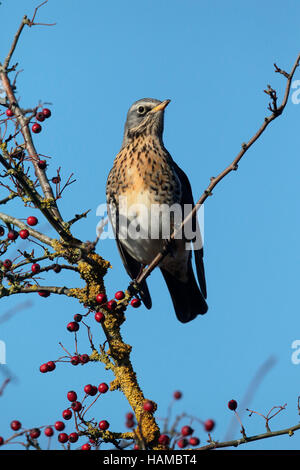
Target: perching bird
x=142 y=186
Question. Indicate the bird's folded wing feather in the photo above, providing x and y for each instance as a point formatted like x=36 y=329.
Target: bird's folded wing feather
x=187 y=198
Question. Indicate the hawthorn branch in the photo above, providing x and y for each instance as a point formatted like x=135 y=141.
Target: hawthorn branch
x=244 y=440
x=23 y=122
x=15 y=42
x=8 y=219
x=4 y=292
x=32 y=152
x=277 y=111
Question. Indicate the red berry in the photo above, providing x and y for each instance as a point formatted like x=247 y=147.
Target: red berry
x=48 y=431
x=67 y=414
x=129 y=423
x=164 y=439
x=44 y=368
x=73 y=437
x=31 y=220
x=182 y=443
x=72 y=396
x=136 y=447
x=209 y=425
x=111 y=305
x=119 y=295
x=35 y=433
x=35 y=268
x=101 y=298
x=86 y=447
x=73 y=326
x=44 y=293
x=84 y=358
x=232 y=405
x=130 y=416
x=90 y=390
x=56 y=179
x=56 y=268
x=135 y=303
x=59 y=425
x=1 y=440
x=99 y=317
x=75 y=360
x=76 y=406
x=104 y=425
x=186 y=431
x=7 y=264
x=94 y=391
x=46 y=112
x=177 y=395
x=194 y=441
x=42 y=164
x=9 y=113
x=40 y=117
x=36 y=128
x=12 y=235
x=63 y=437
x=103 y=388
x=148 y=406
x=77 y=317
x=15 y=425
x=51 y=365
x=24 y=234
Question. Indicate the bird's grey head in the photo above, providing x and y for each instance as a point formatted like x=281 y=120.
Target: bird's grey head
x=145 y=116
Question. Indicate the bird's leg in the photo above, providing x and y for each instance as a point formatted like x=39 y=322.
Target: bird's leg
x=141 y=269
x=134 y=285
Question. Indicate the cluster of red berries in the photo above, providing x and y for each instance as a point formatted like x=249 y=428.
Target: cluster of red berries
x=74 y=360
x=130 y=421
x=92 y=390
x=183 y=442
x=47 y=367
x=24 y=233
x=101 y=299
x=76 y=407
x=13 y=235
x=40 y=116
x=48 y=431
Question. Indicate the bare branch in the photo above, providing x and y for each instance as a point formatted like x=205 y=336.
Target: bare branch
x=244 y=440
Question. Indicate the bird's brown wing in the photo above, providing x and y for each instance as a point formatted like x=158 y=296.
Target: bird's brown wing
x=187 y=198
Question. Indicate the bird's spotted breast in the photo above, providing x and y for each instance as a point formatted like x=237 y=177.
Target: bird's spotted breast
x=143 y=166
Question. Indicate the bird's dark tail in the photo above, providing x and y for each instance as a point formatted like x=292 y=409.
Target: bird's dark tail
x=187 y=298
x=145 y=295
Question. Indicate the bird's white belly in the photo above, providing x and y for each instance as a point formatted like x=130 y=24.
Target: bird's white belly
x=142 y=227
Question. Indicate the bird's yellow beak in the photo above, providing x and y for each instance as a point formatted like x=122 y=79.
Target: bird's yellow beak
x=160 y=106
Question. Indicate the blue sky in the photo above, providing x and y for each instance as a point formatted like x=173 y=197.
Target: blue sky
x=213 y=59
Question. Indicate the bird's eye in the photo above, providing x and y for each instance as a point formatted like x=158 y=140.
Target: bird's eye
x=141 y=110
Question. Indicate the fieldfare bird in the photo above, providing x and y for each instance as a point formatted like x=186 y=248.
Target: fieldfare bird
x=143 y=188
